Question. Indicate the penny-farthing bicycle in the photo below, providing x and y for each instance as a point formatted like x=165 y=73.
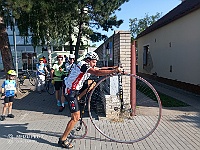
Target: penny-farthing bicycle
x=109 y=109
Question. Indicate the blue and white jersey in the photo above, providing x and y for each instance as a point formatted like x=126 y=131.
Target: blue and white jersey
x=9 y=87
x=40 y=68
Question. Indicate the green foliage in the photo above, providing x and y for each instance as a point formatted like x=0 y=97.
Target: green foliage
x=138 y=25
x=55 y=21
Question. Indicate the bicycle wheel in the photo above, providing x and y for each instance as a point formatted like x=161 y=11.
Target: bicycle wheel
x=79 y=131
x=110 y=114
x=50 y=88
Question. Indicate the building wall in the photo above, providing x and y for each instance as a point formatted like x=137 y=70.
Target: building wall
x=174 y=50
x=118 y=51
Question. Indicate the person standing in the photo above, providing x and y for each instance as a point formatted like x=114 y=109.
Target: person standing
x=44 y=60
x=74 y=84
x=66 y=58
x=8 y=94
x=57 y=71
x=40 y=74
x=70 y=64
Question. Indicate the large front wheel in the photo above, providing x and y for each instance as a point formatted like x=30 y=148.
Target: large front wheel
x=109 y=108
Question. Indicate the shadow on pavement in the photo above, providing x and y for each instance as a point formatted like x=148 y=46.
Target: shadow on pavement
x=16 y=133
x=194 y=119
x=43 y=102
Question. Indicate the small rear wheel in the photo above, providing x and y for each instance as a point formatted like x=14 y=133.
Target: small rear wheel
x=79 y=131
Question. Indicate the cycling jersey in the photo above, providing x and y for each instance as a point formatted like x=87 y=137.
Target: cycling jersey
x=40 y=68
x=77 y=76
x=57 y=72
x=9 y=87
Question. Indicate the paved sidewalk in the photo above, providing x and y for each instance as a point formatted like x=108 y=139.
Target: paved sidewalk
x=38 y=125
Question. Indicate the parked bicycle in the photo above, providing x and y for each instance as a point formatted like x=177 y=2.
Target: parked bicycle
x=30 y=75
x=116 y=123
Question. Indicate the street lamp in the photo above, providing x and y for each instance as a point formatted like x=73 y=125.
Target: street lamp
x=15 y=47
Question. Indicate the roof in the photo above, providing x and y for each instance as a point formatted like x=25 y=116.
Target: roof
x=181 y=10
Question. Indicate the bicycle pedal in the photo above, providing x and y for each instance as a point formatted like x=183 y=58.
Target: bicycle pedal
x=78 y=128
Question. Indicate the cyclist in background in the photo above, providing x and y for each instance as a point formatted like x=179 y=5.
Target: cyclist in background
x=74 y=83
x=57 y=72
x=70 y=64
x=40 y=75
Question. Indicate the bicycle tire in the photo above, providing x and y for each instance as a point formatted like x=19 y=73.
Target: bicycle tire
x=79 y=131
x=117 y=125
x=50 y=88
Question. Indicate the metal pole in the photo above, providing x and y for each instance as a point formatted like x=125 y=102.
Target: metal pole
x=133 y=80
x=15 y=47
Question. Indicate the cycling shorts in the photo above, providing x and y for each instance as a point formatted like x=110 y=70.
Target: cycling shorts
x=8 y=99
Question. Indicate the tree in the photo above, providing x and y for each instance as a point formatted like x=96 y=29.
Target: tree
x=54 y=22
x=139 y=25
x=99 y=14
x=5 y=47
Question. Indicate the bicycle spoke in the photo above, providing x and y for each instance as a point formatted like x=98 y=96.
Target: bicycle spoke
x=110 y=111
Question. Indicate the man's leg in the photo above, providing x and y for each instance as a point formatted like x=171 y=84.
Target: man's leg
x=57 y=88
x=75 y=116
x=74 y=119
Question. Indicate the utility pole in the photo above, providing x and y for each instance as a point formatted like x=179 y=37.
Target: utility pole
x=15 y=47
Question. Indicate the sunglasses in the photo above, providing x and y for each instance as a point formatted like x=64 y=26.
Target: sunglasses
x=60 y=59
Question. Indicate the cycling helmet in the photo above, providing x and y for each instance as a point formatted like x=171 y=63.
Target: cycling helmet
x=71 y=56
x=92 y=55
x=41 y=59
x=12 y=72
x=59 y=56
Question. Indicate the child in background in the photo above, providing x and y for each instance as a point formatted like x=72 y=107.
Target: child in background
x=8 y=93
x=40 y=74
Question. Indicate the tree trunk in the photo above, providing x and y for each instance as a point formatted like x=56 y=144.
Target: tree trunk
x=5 y=47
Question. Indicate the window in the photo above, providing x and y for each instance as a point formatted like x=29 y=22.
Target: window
x=145 y=55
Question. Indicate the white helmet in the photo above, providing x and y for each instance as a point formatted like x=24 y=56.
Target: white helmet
x=92 y=55
x=72 y=56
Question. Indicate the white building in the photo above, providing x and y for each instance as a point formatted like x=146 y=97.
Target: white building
x=171 y=46
x=27 y=56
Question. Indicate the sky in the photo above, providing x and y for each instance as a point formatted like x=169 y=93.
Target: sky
x=138 y=9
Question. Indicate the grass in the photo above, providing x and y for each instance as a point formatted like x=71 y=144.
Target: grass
x=167 y=101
